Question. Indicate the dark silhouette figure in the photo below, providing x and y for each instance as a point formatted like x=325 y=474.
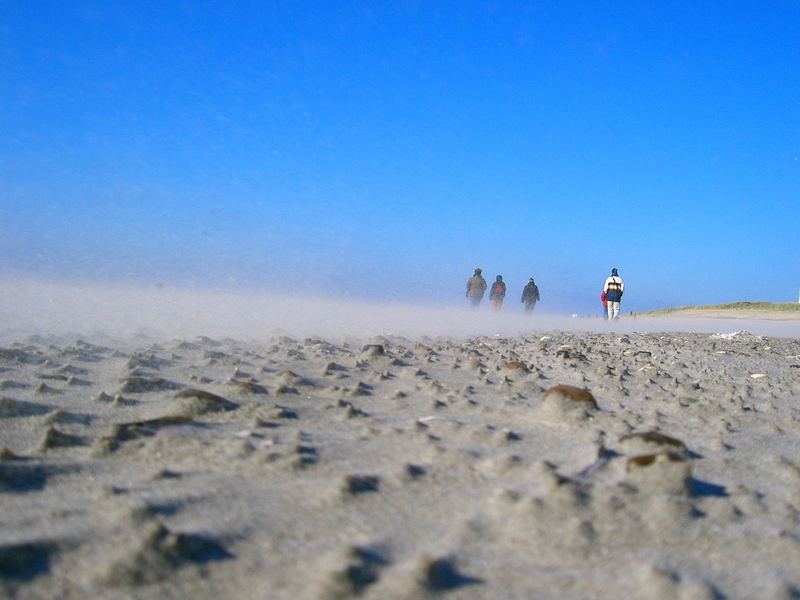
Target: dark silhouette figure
x=497 y=293
x=476 y=286
x=530 y=295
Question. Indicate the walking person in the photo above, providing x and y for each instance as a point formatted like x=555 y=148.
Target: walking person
x=497 y=293
x=613 y=288
x=476 y=286
x=530 y=295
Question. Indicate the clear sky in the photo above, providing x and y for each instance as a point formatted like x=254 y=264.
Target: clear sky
x=385 y=149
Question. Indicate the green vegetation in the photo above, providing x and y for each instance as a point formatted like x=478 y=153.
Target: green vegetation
x=788 y=307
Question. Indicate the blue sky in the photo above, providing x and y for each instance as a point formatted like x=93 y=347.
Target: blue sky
x=383 y=150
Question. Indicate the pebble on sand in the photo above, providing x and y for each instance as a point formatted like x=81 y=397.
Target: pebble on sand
x=566 y=401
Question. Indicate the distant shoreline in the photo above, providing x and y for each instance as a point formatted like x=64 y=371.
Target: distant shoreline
x=770 y=311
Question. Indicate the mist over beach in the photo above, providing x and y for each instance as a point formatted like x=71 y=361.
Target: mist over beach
x=97 y=311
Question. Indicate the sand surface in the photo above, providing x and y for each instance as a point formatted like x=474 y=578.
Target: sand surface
x=402 y=468
x=291 y=452
x=726 y=313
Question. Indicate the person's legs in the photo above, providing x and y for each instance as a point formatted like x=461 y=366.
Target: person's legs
x=613 y=311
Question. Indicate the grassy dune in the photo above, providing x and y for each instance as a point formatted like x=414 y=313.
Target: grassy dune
x=788 y=309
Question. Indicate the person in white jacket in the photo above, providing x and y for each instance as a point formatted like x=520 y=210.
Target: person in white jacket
x=613 y=287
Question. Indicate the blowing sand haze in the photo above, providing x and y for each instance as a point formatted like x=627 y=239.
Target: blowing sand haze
x=547 y=464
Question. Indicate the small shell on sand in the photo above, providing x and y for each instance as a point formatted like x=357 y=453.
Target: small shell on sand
x=517 y=365
x=567 y=401
x=571 y=394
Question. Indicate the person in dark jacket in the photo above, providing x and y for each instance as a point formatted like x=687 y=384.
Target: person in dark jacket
x=497 y=293
x=530 y=295
x=476 y=286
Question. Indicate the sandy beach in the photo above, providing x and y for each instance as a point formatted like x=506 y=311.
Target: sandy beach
x=740 y=314
x=544 y=464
